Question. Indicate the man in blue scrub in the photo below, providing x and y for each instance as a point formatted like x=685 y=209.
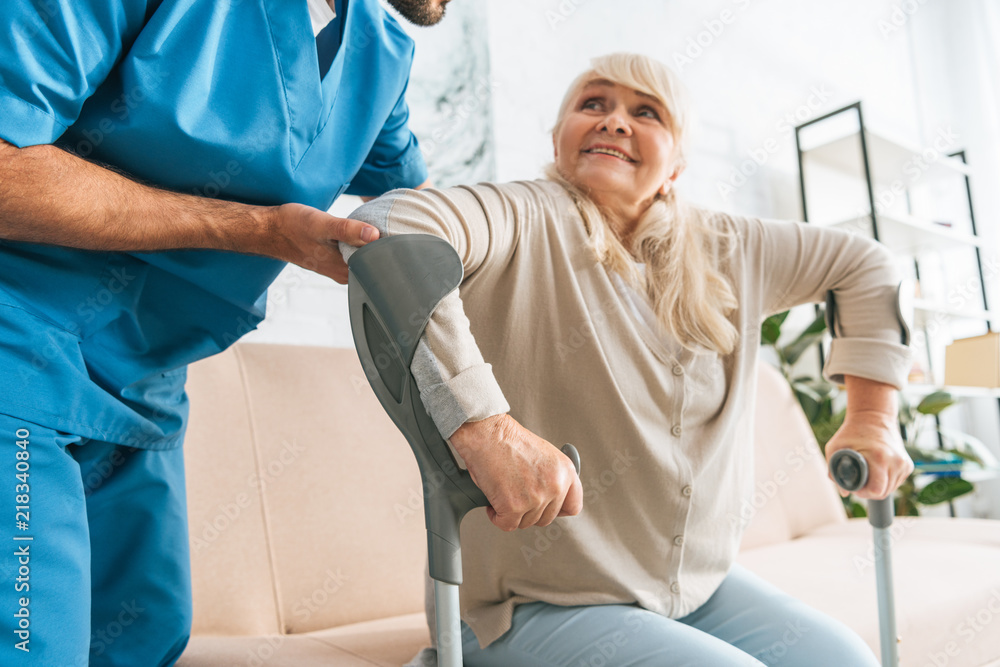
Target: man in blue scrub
x=160 y=163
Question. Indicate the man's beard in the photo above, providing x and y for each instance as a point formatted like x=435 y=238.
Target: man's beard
x=419 y=12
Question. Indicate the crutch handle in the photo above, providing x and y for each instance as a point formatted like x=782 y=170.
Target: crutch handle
x=574 y=456
x=850 y=471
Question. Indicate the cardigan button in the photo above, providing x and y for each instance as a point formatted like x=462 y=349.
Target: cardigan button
x=675 y=588
x=687 y=491
x=678 y=370
x=679 y=540
x=677 y=430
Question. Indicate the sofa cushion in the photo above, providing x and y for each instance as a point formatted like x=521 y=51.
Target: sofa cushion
x=947 y=584
x=792 y=492
x=327 y=499
x=229 y=544
x=389 y=642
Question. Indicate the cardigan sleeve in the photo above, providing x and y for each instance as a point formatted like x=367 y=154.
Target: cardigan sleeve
x=795 y=263
x=483 y=225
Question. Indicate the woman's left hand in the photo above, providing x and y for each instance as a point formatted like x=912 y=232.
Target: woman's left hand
x=877 y=439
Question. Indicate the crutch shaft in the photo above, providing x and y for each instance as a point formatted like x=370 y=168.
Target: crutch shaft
x=886 y=597
x=449 y=631
x=850 y=470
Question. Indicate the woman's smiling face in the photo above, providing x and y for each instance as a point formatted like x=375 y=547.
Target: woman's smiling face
x=615 y=144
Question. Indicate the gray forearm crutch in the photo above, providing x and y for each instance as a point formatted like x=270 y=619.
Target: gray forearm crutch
x=393 y=286
x=850 y=470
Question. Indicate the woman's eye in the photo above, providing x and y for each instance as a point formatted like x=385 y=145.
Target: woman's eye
x=646 y=112
x=591 y=104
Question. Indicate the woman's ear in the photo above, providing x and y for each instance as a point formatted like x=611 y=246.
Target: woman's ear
x=555 y=147
x=665 y=188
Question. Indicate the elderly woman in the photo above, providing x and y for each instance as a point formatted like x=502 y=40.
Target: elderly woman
x=598 y=309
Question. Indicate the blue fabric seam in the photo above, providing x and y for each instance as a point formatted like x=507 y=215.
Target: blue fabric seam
x=38 y=316
x=165 y=443
x=414 y=155
x=324 y=121
x=10 y=96
x=281 y=70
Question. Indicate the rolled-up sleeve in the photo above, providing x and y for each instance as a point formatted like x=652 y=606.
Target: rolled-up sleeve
x=54 y=57
x=801 y=263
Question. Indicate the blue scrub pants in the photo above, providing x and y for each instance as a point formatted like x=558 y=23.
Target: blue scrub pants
x=746 y=623
x=95 y=567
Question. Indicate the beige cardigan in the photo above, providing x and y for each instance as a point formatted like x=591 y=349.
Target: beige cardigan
x=664 y=433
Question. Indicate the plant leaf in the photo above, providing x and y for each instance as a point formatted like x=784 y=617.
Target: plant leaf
x=803 y=388
x=818 y=385
x=944 y=489
x=906 y=505
x=918 y=455
x=855 y=509
x=809 y=406
x=770 y=328
x=935 y=402
x=825 y=429
x=967 y=456
x=806 y=339
x=969 y=447
x=921 y=455
x=818 y=325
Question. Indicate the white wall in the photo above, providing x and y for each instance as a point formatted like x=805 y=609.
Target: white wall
x=754 y=68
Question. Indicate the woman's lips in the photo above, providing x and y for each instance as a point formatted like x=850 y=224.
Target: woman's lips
x=610 y=151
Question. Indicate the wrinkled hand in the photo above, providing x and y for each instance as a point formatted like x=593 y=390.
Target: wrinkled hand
x=308 y=237
x=877 y=439
x=527 y=480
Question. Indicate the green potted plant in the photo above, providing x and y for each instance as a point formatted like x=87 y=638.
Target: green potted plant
x=962 y=453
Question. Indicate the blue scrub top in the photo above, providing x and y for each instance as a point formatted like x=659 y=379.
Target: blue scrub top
x=220 y=98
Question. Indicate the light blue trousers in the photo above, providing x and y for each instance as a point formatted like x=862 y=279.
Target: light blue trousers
x=746 y=623
x=94 y=567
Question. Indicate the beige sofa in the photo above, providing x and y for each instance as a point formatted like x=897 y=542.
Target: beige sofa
x=307 y=538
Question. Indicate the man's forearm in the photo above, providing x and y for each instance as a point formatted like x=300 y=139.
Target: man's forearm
x=50 y=196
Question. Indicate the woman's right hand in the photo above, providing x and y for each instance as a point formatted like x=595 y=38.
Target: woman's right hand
x=527 y=480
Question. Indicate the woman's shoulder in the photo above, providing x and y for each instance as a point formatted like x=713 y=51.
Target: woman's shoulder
x=540 y=192
x=725 y=234
x=491 y=198
x=721 y=221
x=534 y=204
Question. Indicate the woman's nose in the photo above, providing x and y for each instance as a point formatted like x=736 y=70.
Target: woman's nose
x=616 y=123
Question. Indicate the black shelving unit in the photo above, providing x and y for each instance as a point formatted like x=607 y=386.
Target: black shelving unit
x=873 y=214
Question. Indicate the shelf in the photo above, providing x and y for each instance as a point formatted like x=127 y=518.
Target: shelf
x=926 y=311
x=890 y=158
x=906 y=234
x=980 y=475
x=904 y=178
x=969 y=475
x=958 y=392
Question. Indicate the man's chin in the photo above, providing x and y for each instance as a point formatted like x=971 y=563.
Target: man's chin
x=420 y=12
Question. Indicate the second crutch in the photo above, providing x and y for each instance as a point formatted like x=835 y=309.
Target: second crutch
x=850 y=471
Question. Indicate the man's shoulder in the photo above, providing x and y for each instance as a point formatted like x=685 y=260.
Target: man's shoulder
x=379 y=26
